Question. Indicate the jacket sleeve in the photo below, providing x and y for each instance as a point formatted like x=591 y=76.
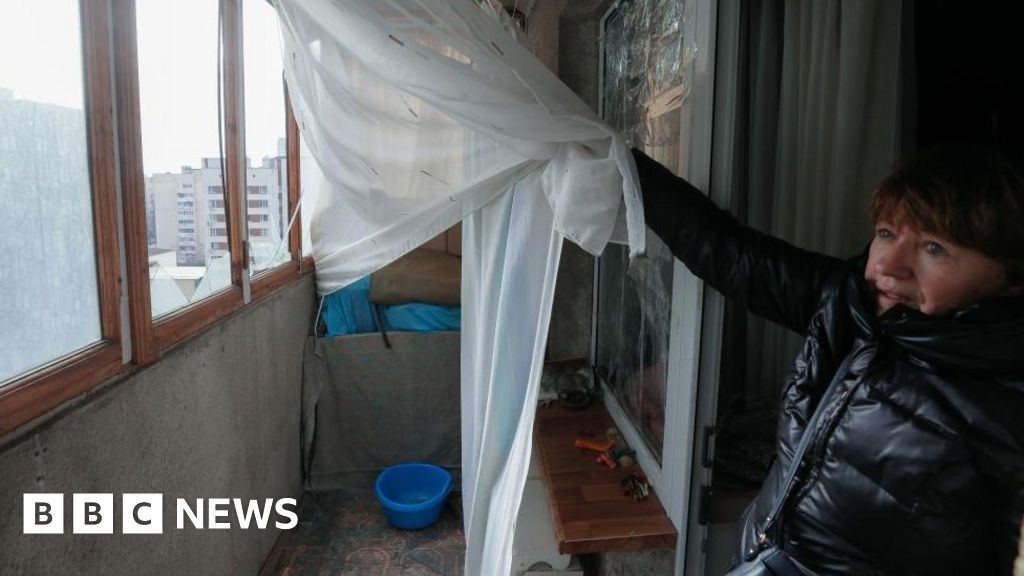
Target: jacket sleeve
x=772 y=278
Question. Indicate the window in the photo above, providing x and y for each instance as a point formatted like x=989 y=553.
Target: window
x=178 y=98
x=49 y=299
x=265 y=130
x=635 y=299
x=648 y=319
x=60 y=134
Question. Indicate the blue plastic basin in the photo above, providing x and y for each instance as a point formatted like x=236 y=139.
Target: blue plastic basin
x=412 y=494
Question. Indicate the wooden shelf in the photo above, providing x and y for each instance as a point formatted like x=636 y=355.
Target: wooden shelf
x=589 y=509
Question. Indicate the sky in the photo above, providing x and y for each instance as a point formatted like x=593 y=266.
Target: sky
x=177 y=72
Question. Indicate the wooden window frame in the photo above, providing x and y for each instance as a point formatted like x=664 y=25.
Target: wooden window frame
x=306 y=264
x=270 y=279
x=133 y=185
x=234 y=160
x=111 y=87
x=151 y=338
x=38 y=391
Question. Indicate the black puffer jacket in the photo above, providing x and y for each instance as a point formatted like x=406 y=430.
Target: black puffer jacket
x=917 y=463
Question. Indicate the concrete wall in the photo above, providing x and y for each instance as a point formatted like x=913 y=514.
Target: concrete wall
x=575 y=33
x=216 y=417
x=571 y=313
x=579 y=29
x=636 y=563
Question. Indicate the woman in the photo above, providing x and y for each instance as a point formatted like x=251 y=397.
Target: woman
x=908 y=395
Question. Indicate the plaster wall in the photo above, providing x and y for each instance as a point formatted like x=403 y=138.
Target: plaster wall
x=636 y=563
x=576 y=62
x=216 y=417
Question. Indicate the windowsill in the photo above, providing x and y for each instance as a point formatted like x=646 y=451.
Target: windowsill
x=589 y=509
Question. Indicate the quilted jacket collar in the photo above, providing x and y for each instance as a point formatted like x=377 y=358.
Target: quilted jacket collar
x=986 y=338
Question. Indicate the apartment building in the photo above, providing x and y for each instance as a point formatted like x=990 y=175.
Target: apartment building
x=186 y=211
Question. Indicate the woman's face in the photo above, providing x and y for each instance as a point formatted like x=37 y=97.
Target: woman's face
x=928 y=272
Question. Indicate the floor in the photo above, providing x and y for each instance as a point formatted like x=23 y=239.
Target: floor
x=721 y=548
x=344 y=533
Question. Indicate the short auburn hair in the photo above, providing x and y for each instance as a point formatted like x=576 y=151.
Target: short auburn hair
x=972 y=194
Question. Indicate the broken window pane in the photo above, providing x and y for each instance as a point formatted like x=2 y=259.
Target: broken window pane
x=265 y=142
x=189 y=257
x=645 y=87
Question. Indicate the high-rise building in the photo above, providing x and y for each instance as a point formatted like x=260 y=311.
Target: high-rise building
x=267 y=189
x=188 y=213
x=162 y=210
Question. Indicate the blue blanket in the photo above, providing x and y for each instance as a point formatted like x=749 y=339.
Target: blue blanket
x=348 y=311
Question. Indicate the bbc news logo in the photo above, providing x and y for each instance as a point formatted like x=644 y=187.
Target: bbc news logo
x=143 y=513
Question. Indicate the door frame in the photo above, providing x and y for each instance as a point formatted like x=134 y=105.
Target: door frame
x=720 y=178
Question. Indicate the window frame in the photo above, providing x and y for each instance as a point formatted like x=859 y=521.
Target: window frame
x=130 y=339
x=274 y=276
x=694 y=324
x=65 y=377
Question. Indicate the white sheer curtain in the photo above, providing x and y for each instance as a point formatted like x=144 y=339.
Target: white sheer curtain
x=509 y=264
x=838 y=119
x=422 y=113
x=834 y=130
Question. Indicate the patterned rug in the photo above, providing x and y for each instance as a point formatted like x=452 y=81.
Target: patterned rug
x=344 y=533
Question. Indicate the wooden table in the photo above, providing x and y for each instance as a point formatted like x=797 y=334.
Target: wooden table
x=590 y=511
